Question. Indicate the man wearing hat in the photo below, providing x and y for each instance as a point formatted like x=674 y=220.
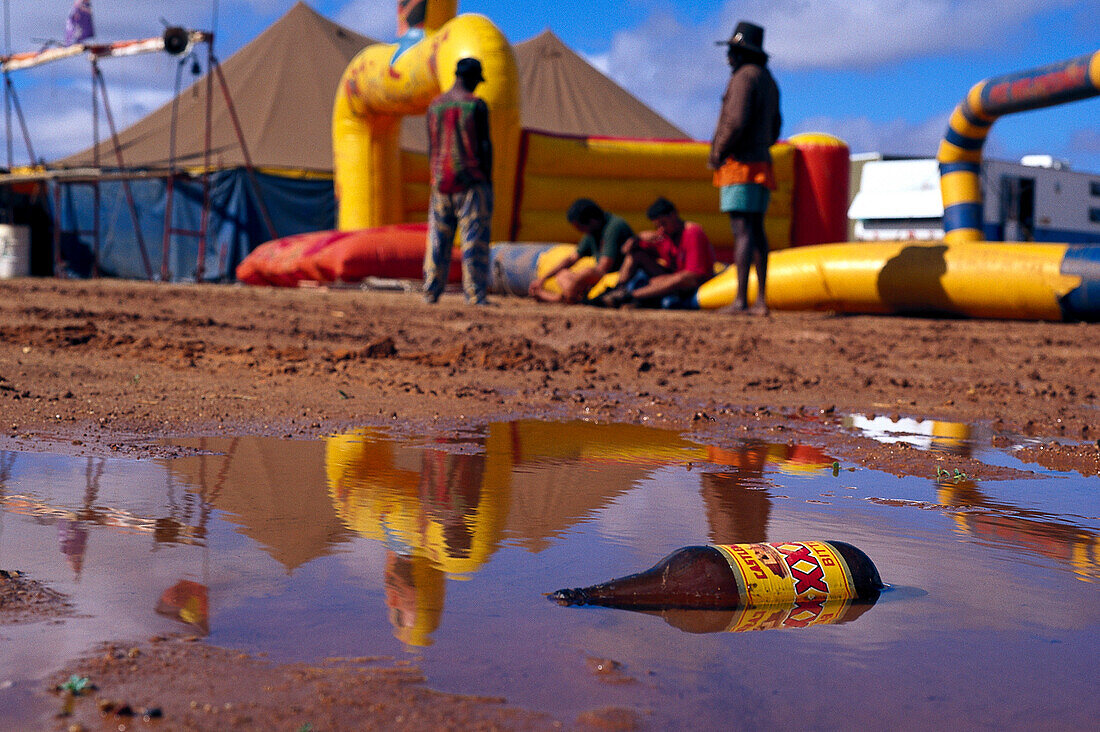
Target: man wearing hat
x=740 y=157
x=460 y=156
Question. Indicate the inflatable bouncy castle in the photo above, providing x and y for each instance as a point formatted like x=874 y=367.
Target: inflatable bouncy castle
x=383 y=190
x=383 y=194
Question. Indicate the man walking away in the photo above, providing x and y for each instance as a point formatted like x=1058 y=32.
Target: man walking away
x=460 y=155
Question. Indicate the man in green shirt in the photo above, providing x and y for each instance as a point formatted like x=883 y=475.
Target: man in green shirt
x=603 y=240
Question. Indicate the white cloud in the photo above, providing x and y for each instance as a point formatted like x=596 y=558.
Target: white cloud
x=651 y=62
x=843 y=34
x=893 y=137
x=675 y=68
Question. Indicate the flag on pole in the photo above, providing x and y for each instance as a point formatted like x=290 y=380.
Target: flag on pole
x=79 y=25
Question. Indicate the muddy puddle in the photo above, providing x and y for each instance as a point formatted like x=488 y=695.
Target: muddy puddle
x=441 y=550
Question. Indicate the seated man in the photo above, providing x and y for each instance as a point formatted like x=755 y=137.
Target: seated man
x=663 y=268
x=604 y=237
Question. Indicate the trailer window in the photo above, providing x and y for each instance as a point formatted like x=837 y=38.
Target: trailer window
x=1094 y=215
x=1094 y=188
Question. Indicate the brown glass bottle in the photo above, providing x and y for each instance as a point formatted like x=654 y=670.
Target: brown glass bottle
x=707 y=577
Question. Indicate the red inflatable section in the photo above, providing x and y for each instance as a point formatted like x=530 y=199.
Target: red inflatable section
x=821 y=165
x=342 y=256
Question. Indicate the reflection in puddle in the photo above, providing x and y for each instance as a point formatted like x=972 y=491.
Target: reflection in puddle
x=799 y=615
x=363 y=545
x=442 y=514
x=926 y=434
x=1038 y=532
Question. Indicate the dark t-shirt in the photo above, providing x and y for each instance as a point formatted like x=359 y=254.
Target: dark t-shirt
x=608 y=242
x=459 y=148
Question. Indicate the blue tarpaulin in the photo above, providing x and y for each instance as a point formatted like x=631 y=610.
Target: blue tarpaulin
x=235 y=228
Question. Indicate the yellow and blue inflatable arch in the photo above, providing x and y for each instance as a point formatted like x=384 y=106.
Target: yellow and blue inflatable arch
x=960 y=153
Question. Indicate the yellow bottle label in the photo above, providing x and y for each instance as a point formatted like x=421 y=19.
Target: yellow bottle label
x=788 y=572
x=798 y=615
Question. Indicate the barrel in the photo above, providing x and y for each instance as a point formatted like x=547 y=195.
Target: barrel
x=515 y=265
x=15 y=251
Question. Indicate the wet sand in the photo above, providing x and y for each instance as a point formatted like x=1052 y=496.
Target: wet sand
x=107 y=367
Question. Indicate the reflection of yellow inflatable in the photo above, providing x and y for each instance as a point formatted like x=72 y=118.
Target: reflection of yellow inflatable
x=439 y=513
x=445 y=507
x=1036 y=532
x=442 y=513
x=596 y=443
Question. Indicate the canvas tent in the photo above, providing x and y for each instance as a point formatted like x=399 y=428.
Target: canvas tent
x=282 y=85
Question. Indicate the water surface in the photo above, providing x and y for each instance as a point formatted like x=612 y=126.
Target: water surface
x=440 y=550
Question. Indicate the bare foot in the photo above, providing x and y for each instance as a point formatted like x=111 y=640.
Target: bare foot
x=736 y=308
x=760 y=309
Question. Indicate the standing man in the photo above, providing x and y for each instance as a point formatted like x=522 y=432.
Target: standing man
x=460 y=155
x=739 y=154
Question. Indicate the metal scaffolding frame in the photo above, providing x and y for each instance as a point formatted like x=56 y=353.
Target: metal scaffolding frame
x=177 y=42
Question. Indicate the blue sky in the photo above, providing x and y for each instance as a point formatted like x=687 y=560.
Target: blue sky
x=883 y=75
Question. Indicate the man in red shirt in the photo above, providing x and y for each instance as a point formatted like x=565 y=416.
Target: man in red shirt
x=663 y=268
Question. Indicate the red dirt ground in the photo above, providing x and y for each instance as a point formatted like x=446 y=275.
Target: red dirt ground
x=106 y=366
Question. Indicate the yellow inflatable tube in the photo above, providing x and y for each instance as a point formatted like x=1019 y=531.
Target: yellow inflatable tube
x=385 y=82
x=977 y=279
x=960 y=153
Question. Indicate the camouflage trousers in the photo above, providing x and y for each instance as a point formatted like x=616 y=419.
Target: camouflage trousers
x=470 y=213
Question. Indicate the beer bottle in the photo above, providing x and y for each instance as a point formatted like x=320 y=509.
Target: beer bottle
x=726 y=576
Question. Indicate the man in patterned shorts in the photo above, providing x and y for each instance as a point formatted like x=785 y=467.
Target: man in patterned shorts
x=460 y=155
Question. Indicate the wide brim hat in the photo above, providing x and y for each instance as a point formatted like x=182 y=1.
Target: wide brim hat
x=747 y=36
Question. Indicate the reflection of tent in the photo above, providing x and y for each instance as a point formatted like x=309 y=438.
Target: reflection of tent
x=282 y=85
x=273 y=489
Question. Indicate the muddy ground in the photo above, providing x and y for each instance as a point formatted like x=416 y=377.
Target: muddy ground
x=107 y=366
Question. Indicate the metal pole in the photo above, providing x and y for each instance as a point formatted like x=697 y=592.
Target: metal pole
x=125 y=183
x=58 y=265
x=204 y=224
x=7 y=87
x=95 y=164
x=20 y=118
x=249 y=167
x=170 y=181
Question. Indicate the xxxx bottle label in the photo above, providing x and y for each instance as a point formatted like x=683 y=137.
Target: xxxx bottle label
x=788 y=572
